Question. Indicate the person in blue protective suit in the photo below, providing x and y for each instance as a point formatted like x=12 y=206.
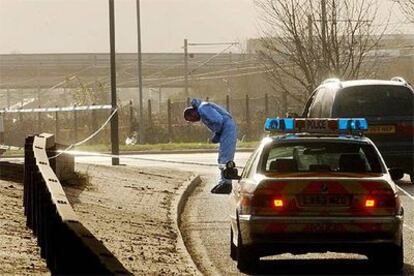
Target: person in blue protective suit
x=221 y=123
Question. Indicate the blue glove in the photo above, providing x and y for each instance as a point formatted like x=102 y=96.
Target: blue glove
x=216 y=138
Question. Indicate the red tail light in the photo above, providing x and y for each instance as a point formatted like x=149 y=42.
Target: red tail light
x=278 y=203
x=380 y=202
x=383 y=198
x=370 y=203
x=263 y=204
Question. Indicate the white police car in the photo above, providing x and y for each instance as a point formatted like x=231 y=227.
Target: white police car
x=316 y=185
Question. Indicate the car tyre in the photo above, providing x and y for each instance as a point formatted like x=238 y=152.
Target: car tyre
x=389 y=259
x=246 y=259
x=233 y=247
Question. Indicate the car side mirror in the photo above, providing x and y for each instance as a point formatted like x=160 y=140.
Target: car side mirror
x=231 y=172
x=396 y=173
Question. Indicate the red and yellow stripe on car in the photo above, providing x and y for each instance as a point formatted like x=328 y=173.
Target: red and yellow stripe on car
x=324 y=202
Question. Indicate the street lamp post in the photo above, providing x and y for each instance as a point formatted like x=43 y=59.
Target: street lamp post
x=114 y=120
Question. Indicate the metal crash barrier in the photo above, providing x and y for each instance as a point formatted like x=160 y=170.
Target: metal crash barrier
x=67 y=245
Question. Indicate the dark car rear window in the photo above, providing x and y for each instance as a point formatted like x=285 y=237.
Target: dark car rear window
x=374 y=101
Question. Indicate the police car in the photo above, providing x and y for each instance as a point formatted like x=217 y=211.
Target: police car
x=318 y=185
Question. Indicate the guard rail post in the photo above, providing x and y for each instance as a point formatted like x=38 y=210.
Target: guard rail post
x=28 y=178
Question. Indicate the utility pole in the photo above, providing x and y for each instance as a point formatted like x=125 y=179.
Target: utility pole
x=141 y=105
x=114 y=120
x=186 y=67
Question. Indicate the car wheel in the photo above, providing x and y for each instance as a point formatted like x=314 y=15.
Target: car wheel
x=389 y=259
x=233 y=247
x=246 y=260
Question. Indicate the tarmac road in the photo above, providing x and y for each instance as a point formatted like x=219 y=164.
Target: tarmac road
x=205 y=225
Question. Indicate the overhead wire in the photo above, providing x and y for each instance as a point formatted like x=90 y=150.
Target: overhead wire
x=210 y=59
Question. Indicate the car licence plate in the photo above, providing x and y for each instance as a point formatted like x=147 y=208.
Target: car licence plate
x=382 y=129
x=324 y=200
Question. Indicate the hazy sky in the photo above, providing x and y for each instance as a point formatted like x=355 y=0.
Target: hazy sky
x=47 y=26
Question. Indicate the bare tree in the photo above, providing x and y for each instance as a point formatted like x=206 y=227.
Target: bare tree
x=306 y=41
x=407 y=7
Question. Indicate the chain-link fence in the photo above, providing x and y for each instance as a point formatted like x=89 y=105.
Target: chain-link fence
x=164 y=126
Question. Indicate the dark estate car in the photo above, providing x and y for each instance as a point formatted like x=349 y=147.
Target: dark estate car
x=316 y=192
x=387 y=105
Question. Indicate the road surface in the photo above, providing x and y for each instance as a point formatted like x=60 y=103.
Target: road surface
x=205 y=225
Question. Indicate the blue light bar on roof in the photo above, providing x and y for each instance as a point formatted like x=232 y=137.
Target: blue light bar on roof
x=279 y=124
x=316 y=125
x=352 y=124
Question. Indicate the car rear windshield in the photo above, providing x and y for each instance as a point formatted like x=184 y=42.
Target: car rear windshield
x=374 y=101
x=321 y=157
